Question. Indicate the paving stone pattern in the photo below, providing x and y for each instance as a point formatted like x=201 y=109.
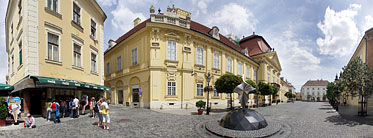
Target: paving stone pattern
x=301 y=119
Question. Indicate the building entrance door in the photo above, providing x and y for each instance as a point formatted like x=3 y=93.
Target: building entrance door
x=120 y=96
x=135 y=96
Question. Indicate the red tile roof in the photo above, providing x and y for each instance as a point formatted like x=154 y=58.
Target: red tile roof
x=248 y=42
x=316 y=83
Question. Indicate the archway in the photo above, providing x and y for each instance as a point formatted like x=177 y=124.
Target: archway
x=135 y=91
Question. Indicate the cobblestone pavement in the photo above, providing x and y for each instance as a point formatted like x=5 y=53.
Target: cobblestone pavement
x=300 y=119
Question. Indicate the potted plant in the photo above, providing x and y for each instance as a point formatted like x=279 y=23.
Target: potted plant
x=200 y=104
x=3 y=112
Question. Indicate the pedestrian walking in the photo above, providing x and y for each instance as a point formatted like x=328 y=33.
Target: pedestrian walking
x=49 y=110
x=84 y=104
x=54 y=106
x=63 y=108
x=105 y=113
x=71 y=108
x=91 y=106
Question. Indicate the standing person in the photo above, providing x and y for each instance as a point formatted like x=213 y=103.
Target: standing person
x=63 y=107
x=105 y=113
x=49 y=110
x=30 y=122
x=91 y=106
x=71 y=108
x=85 y=103
x=76 y=111
x=54 y=106
x=98 y=105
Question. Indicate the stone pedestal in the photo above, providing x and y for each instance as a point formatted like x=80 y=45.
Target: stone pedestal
x=243 y=120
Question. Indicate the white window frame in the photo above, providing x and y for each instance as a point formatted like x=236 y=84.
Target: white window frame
x=216 y=61
x=52 y=2
x=95 y=27
x=229 y=65
x=134 y=57
x=268 y=76
x=255 y=75
x=171 y=89
x=199 y=90
x=107 y=71
x=20 y=51
x=81 y=54
x=215 y=93
x=239 y=68
x=248 y=75
x=79 y=21
x=171 y=50
x=95 y=68
x=199 y=55
x=119 y=63
x=59 y=46
x=12 y=57
x=19 y=10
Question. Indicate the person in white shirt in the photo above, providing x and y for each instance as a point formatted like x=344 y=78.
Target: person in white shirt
x=105 y=113
x=76 y=102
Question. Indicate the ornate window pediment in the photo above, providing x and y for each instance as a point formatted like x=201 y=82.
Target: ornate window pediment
x=214 y=32
x=172 y=36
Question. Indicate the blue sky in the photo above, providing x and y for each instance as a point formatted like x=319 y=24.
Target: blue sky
x=314 y=38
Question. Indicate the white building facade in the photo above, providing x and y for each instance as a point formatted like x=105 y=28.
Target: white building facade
x=314 y=90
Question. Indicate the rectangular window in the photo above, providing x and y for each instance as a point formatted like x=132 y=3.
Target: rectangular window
x=171 y=50
x=229 y=95
x=255 y=75
x=268 y=76
x=199 y=89
x=199 y=56
x=239 y=69
x=20 y=9
x=52 y=5
x=76 y=13
x=216 y=60
x=248 y=72
x=108 y=68
x=93 y=28
x=229 y=65
x=11 y=30
x=171 y=88
x=53 y=47
x=215 y=94
x=77 y=55
x=274 y=79
x=20 y=52
x=119 y=63
x=93 y=63
x=134 y=56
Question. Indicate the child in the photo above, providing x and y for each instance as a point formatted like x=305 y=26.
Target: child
x=30 y=123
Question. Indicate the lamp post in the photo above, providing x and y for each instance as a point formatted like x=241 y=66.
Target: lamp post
x=208 y=78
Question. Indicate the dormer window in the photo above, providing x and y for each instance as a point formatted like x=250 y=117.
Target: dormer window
x=214 y=32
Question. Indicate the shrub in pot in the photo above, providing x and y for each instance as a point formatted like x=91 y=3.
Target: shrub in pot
x=3 y=112
x=200 y=104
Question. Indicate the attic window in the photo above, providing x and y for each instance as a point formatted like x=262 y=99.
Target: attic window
x=215 y=32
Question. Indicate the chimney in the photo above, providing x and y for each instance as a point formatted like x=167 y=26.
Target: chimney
x=111 y=43
x=136 y=21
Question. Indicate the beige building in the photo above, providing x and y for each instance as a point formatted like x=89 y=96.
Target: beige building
x=163 y=62
x=314 y=90
x=55 y=50
x=365 y=52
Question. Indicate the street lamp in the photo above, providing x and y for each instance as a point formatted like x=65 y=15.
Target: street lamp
x=208 y=78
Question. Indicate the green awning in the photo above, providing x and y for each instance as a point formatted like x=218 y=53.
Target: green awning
x=6 y=87
x=58 y=81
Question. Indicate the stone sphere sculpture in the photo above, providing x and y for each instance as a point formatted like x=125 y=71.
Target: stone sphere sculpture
x=243 y=119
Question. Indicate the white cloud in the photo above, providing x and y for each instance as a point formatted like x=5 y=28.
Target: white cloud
x=368 y=23
x=3 y=54
x=233 y=18
x=107 y=2
x=202 y=5
x=123 y=17
x=341 y=33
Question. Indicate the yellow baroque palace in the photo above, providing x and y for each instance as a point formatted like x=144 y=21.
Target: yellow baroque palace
x=163 y=62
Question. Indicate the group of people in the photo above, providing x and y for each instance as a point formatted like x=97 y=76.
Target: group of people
x=99 y=108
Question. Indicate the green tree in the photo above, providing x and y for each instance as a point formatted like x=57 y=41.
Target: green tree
x=289 y=95
x=332 y=93
x=227 y=83
x=3 y=109
x=275 y=89
x=356 y=78
x=265 y=89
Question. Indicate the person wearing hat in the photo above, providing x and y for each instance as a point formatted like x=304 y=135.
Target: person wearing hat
x=31 y=121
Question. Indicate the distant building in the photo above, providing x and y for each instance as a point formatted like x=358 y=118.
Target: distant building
x=298 y=97
x=314 y=90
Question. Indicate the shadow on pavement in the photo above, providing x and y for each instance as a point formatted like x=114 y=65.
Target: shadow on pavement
x=326 y=108
x=349 y=120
